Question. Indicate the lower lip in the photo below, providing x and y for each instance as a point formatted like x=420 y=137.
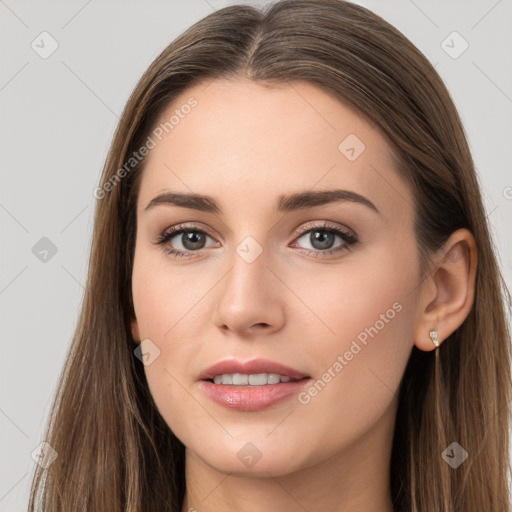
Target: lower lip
x=252 y=398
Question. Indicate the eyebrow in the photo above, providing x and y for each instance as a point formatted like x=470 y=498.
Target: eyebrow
x=284 y=203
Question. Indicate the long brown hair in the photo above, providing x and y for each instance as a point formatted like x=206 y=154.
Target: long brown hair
x=115 y=451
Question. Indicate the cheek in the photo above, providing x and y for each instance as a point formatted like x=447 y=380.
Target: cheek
x=355 y=300
x=367 y=310
x=368 y=317
x=159 y=296
x=169 y=311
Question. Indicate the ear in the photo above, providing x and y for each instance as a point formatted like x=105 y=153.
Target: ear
x=135 y=331
x=448 y=290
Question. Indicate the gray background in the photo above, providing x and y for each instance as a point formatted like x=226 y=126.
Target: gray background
x=57 y=120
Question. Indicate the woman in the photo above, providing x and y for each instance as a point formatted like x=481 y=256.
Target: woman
x=292 y=301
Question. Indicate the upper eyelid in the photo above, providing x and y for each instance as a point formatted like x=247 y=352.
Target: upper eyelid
x=328 y=225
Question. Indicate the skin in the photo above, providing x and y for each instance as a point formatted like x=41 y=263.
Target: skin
x=245 y=144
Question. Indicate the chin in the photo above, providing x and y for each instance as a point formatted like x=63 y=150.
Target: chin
x=246 y=459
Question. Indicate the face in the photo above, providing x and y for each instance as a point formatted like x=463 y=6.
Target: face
x=326 y=288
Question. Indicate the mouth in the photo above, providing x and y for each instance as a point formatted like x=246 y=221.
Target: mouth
x=253 y=385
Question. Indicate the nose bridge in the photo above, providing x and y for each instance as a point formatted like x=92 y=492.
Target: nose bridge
x=250 y=293
x=248 y=273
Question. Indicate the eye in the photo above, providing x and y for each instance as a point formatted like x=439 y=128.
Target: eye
x=322 y=238
x=191 y=240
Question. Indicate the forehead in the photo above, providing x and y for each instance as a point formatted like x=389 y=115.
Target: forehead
x=246 y=143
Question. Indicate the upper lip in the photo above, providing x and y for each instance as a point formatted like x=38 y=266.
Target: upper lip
x=253 y=366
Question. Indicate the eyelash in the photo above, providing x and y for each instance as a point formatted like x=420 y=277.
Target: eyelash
x=349 y=239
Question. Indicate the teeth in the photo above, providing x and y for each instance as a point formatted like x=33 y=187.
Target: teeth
x=254 y=379
x=240 y=380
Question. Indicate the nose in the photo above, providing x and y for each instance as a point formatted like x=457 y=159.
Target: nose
x=250 y=300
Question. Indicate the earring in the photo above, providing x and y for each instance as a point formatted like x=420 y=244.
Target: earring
x=433 y=337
